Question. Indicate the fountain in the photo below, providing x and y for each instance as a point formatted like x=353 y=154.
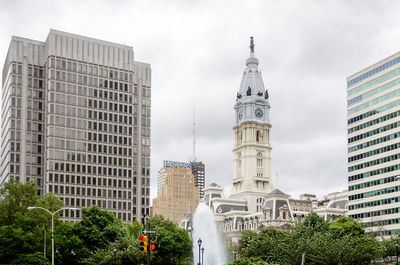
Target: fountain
x=204 y=227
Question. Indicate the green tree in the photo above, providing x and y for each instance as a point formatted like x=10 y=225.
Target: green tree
x=98 y=228
x=22 y=231
x=346 y=226
x=341 y=242
x=250 y=261
x=175 y=245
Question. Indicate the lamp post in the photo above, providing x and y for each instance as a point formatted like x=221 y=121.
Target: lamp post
x=199 y=243
x=202 y=256
x=115 y=254
x=52 y=225
x=397 y=251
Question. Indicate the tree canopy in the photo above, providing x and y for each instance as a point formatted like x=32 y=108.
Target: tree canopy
x=343 y=241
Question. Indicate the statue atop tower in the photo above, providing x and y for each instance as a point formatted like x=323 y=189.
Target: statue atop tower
x=251 y=45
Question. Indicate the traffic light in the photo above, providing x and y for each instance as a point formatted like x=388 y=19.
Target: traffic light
x=154 y=247
x=143 y=243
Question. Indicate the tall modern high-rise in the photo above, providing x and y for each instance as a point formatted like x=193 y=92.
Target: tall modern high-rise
x=199 y=172
x=76 y=120
x=373 y=130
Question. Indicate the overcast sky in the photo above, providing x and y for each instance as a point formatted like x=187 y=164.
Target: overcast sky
x=197 y=51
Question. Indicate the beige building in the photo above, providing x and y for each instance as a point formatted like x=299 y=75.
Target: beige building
x=177 y=196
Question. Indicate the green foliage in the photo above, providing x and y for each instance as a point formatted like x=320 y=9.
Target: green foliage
x=98 y=228
x=346 y=226
x=22 y=231
x=127 y=252
x=134 y=229
x=30 y=259
x=17 y=197
x=341 y=242
x=175 y=244
x=250 y=261
x=71 y=248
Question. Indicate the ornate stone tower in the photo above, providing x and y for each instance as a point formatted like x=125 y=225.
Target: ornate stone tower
x=252 y=149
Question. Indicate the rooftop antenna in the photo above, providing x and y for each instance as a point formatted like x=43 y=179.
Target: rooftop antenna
x=194 y=134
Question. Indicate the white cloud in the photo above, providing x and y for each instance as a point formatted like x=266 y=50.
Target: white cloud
x=197 y=51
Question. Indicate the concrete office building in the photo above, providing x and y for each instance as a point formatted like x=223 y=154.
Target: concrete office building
x=76 y=120
x=373 y=130
x=178 y=194
x=199 y=171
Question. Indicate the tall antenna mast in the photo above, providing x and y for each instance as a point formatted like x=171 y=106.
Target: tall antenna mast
x=194 y=134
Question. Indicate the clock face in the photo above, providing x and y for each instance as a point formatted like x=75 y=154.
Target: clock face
x=259 y=113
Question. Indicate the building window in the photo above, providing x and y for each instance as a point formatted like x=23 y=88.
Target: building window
x=259 y=159
x=259 y=136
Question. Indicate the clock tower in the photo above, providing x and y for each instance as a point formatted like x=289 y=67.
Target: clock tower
x=252 y=149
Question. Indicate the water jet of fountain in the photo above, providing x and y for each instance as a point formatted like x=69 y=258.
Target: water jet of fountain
x=204 y=227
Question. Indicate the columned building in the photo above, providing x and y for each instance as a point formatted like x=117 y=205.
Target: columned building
x=373 y=147
x=76 y=120
x=253 y=203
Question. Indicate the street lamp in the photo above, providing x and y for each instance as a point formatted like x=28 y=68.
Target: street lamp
x=52 y=225
x=202 y=256
x=115 y=254
x=199 y=243
x=397 y=251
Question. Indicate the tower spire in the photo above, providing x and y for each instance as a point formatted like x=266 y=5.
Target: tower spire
x=251 y=45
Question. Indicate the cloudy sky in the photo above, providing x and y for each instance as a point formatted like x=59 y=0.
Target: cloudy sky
x=197 y=51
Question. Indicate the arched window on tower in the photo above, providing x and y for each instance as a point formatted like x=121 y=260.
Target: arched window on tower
x=259 y=159
x=240 y=160
x=240 y=138
x=259 y=136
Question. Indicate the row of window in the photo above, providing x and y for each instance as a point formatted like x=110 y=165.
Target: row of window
x=375 y=213
x=106 y=182
x=373 y=71
x=354 y=100
x=109 y=149
x=374 y=81
x=382 y=222
x=370 y=113
x=375 y=101
x=372 y=183
x=374 y=162
x=374 y=91
x=91 y=69
x=76 y=213
x=374 y=142
x=374 y=203
x=374 y=172
x=373 y=122
x=105 y=204
x=83 y=191
x=374 y=132
x=374 y=193
x=105 y=127
x=374 y=152
x=105 y=171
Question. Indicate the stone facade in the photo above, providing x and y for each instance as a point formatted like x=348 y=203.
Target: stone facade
x=178 y=195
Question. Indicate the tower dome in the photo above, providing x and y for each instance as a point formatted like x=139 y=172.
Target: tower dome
x=252 y=83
